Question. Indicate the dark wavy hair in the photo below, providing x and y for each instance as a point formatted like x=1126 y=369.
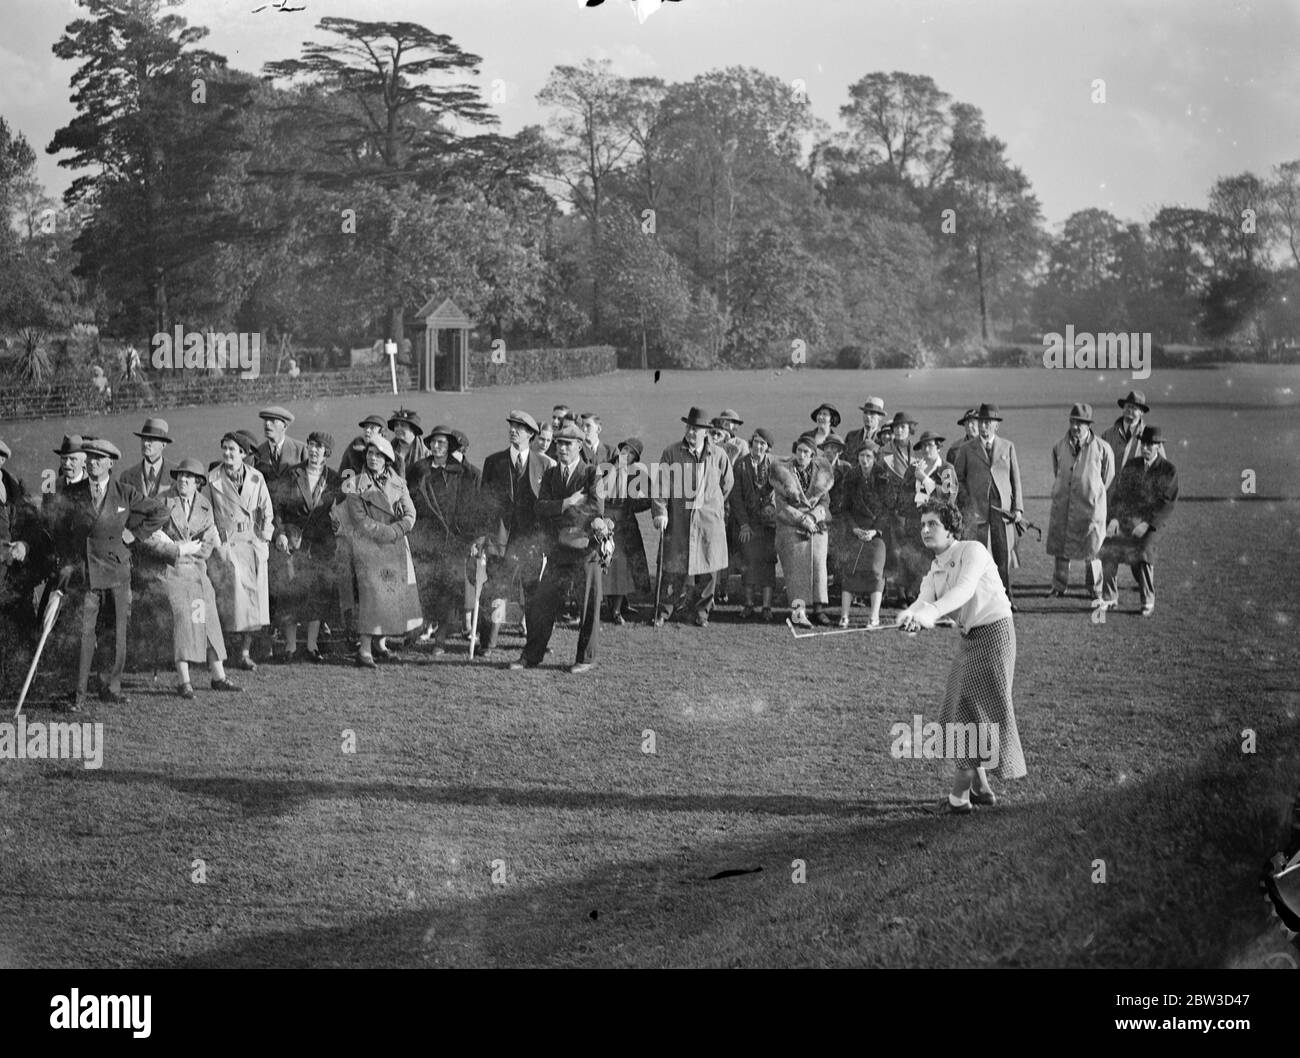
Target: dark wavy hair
x=949 y=516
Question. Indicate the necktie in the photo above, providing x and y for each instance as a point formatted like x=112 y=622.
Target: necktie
x=989 y=451
x=151 y=482
x=98 y=494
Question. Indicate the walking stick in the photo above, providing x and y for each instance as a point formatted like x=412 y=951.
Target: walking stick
x=659 y=575
x=47 y=626
x=480 y=578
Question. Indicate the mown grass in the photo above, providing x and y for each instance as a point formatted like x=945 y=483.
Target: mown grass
x=768 y=751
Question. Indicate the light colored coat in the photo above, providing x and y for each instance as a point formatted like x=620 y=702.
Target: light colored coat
x=245 y=521
x=380 y=514
x=1078 y=520
x=696 y=537
x=195 y=627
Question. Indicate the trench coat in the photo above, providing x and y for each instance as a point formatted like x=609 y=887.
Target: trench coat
x=380 y=515
x=191 y=598
x=246 y=522
x=1078 y=520
x=696 y=537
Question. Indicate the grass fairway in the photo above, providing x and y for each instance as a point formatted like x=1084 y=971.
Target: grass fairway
x=768 y=750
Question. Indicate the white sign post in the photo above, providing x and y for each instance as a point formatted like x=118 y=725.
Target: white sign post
x=390 y=347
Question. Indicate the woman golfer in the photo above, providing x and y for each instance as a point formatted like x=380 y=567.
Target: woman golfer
x=963 y=580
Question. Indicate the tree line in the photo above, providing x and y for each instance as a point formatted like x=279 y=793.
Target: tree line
x=710 y=222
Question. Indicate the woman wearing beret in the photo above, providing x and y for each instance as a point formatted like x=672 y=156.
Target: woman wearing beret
x=380 y=514
x=628 y=573
x=245 y=521
x=801 y=489
x=860 y=514
x=964 y=581
x=174 y=566
x=304 y=562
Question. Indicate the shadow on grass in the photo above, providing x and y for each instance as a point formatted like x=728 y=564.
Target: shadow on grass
x=887 y=884
x=267 y=797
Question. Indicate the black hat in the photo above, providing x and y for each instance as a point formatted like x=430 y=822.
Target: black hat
x=697 y=417
x=766 y=435
x=901 y=418
x=411 y=418
x=453 y=442
x=635 y=445
x=1151 y=436
x=988 y=411
x=1135 y=396
x=925 y=439
x=242 y=438
x=971 y=413
x=809 y=439
x=372 y=420
x=835 y=414
x=71 y=445
x=833 y=438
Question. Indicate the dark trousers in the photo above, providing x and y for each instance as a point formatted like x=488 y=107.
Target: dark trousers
x=1000 y=548
x=1140 y=556
x=91 y=604
x=583 y=578
x=681 y=589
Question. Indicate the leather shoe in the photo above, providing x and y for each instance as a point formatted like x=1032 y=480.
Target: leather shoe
x=701 y=620
x=365 y=661
x=110 y=695
x=225 y=685
x=946 y=807
x=186 y=691
x=246 y=664
x=979 y=798
x=314 y=656
x=619 y=619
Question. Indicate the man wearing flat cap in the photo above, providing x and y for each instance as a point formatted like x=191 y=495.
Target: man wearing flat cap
x=988 y=482
x=690 y=508
x=279 y=453
x=1125 y=435
x=511 y=481
x=152 y=476
x=568 y=500
x=94 y=559
x=873 y=417
x=1083 y=467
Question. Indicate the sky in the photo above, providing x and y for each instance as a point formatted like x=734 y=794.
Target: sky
x=1194 y=89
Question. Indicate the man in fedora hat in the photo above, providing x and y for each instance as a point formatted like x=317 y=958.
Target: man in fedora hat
x=1083 y=467
x=988 y=482
x=1125 y=435
x=873 y=417
x=72 y=462
x=94 y=559
x=1144 y=501
x=568 y=500
x=279 y=453
x=971 y=424
x=511 y=481
x=689 y=507
x=152 y=476
x=354 y=458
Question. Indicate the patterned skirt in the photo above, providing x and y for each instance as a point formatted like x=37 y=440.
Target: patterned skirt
x=979 y=692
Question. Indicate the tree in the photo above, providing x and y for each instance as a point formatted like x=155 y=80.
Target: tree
x=903 y=122
x=157 y=126
x=1284 y=194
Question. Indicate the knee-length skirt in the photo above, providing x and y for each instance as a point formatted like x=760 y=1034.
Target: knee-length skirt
x=979 y=692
